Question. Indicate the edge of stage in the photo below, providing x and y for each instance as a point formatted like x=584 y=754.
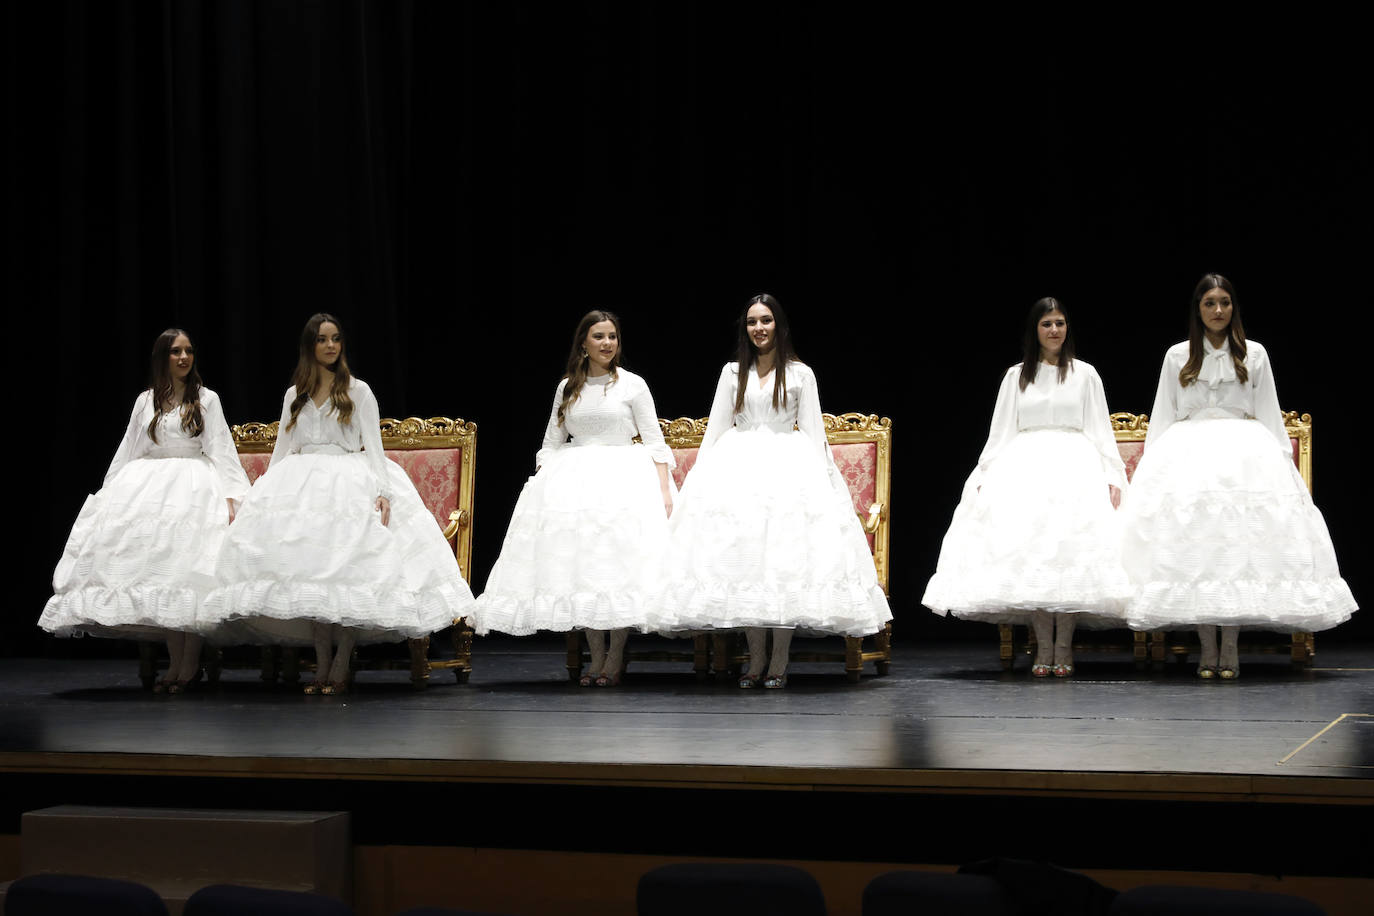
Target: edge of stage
x=948 y=752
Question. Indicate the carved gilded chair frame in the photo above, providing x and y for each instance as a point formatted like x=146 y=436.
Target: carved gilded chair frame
x=840 y=429
x=407 y=434
x=410 y=433
x=1151 y=648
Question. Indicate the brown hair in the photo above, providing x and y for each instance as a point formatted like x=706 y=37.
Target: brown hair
x=192 y=419
x=1189 y=373
x=746 y=354
x=308 y=372
x=1030 y=345
x=578 y=360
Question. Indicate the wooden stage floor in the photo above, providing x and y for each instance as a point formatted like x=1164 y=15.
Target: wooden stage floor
x=946 y=731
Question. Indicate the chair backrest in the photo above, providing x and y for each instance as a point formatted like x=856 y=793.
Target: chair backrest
x=438 y=454
x=239 y=900
x=1176 y=900
x=44 y=895
x=1130 y=430
x=757 y=888
x=862 y=446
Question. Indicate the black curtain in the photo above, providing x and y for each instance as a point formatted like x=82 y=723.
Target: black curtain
x=459 y=182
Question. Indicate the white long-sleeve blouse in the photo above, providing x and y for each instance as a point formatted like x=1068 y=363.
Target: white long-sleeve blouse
x=802 y=409
x=1078 y=403
x=608 y=411
x=1218 y=391
x=215 y=442
x=318 y=431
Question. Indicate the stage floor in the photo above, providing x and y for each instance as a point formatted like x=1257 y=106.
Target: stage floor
x=946 y=719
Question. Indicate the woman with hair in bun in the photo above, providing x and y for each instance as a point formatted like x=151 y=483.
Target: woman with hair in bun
x=1220 y=530
x=585 y=544
x=766 y=538
x=333 y=546
x=141 y=556
x=1034 y=538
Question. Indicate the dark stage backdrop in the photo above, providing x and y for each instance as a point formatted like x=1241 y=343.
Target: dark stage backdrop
x=459 y=182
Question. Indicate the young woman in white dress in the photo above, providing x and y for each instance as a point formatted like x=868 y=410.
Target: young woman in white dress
x=1035 y=537
x=765 y=537
x=333 y=546
x=586 y=541
x=1219 y=529
x=141 y=555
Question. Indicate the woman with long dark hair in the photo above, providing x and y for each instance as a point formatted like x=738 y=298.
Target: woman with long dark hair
x=1220 y=530
x=141 y=556
x=586 y=540
x=766 y=537
x=1034 y=538
x=333 y=545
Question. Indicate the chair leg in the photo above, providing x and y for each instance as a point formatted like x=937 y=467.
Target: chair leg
x=291 y=665
x=573 y=639
x=269 y=658
x=883 y=643
x=1006 y=648
x=419 y=662
x=1304 y=649
x=721 y=660
x=462 y=650
x=212 y=659
x=147 y=664
x=701 y=656
x=853 y=658
x=1159 y=647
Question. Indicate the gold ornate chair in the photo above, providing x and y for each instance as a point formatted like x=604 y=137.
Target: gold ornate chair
x=1150 y=649
x=439 y=455
x=862 y=446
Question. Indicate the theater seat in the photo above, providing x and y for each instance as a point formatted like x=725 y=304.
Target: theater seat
x=1159 y=900
x=235 y=900
x=729 y=889
x=902 y=893
x=78 y=895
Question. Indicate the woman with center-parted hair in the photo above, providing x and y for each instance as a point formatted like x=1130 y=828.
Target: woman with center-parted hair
x=333 y=545
x=585 y=543
x=766 y=537
x=1034 y=538
x=1219 y=528
x=141 y=556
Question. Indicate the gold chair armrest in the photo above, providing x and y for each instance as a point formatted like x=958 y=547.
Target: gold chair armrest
x=875 y=517
x=458 y=518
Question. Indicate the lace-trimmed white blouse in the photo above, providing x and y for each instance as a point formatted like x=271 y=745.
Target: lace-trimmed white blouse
x=215 y=442
x=802 y=410
x=608 y=411
x=1079 y=403
x=318 y=431
x=1218 y=392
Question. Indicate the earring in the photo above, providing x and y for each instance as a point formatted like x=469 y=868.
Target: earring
x=584 y=352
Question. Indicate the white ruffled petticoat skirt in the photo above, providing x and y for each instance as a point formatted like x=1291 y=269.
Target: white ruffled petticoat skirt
x=1039 y=533
x=584 y=548
x=309 y=546
x=764 y=538
x=1220 y=529
x=141 y=555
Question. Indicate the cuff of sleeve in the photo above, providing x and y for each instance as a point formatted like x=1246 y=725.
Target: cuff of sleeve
x=662 y=454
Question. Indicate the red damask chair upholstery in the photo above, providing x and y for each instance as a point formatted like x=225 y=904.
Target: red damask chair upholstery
x=1151 y=648
x=439 y=455
x=862 y=446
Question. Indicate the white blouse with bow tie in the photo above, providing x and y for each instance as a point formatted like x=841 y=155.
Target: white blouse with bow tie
x=1218 y=392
